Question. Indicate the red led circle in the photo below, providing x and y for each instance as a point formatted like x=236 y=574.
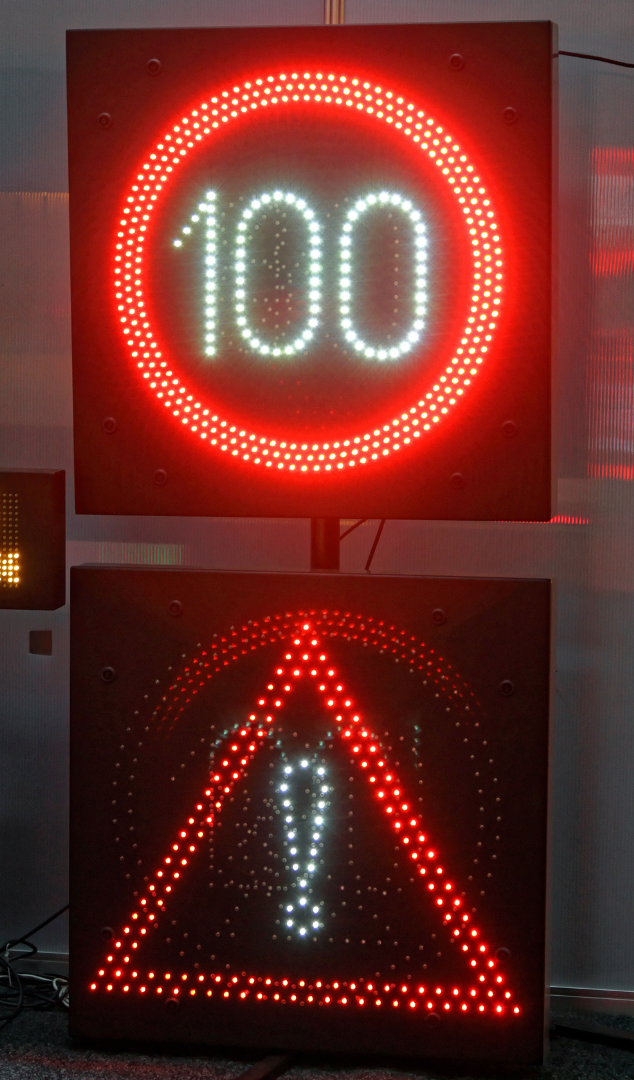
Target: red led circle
x=394 y=433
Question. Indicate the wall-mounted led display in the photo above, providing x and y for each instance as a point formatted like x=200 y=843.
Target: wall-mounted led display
x=309 y=811
x=10 y=551
x=311 y=270
x=32 y=539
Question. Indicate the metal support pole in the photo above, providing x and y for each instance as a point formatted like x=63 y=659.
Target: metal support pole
x=334 y=12
x=324 y=543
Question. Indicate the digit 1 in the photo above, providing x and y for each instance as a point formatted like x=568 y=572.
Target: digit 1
x=207 y=210
x=377 y=351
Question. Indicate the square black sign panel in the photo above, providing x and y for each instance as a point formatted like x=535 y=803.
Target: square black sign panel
x=311 y=270
x=308 y=811
x=32 y=539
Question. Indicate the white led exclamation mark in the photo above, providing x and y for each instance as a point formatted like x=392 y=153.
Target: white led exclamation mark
x=303 y=834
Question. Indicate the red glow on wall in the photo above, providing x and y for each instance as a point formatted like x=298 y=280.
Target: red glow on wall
x=611 y=454
x=196 y=412
x=613 y=210
x=302 y=656
x=612 y=472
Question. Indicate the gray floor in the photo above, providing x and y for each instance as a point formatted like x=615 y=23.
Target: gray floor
x=37 y=1047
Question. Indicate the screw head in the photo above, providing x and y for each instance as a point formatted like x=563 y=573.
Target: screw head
x=502 y=955
x=432 y=1019
x=108 y=674
x=109 y=425
x=160 y=477
x=438 y=616
x=507 y=688
x=104 y=120
x=172 y=1005
x=154 y=67
x=107 y=933
x=175 y=607
x=456 y=61
x=509 y=429
x=510 y=114
x=457 y=481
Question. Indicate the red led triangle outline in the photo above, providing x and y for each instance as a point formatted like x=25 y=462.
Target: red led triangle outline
x=239 y=104
x=486 y=997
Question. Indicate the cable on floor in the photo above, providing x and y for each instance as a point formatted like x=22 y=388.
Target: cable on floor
x=21 y=990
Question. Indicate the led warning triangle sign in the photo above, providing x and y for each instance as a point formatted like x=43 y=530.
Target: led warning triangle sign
x=303 y=661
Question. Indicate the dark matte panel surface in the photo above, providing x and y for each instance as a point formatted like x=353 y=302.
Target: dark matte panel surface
x=453 y=677
x=502 y=478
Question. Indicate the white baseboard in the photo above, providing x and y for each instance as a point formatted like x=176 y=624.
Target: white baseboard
x=55 y=962
x=590 y=999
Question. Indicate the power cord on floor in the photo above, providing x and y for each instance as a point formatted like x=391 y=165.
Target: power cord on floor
x=21 y=990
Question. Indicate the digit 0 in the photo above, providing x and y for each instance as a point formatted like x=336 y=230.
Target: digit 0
x=276 y=199
x=349 y=272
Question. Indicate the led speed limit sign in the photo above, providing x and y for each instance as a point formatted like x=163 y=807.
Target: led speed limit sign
x=308 y=277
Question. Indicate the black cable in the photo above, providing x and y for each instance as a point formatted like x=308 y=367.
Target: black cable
x=27 y=990
x=353 y=527
x=375 y=544
x=24 y=939
x=589 y=56
x=15 y=987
